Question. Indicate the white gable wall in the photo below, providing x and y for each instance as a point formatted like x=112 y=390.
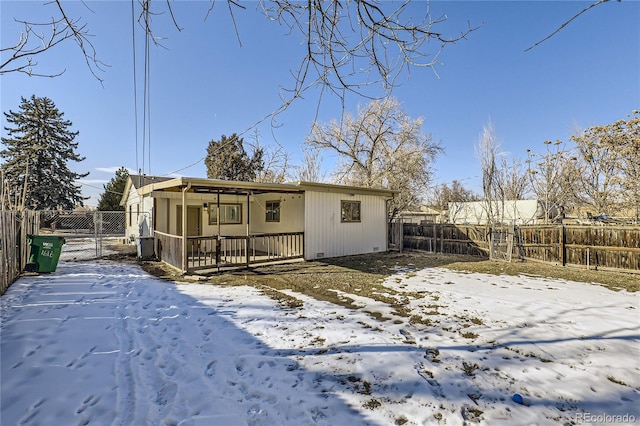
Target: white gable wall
x=327 y=236
x=138 y=215
x=519 y=212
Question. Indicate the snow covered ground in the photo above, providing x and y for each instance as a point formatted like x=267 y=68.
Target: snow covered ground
x=104 y=343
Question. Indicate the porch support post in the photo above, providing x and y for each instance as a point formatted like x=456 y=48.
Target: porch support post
x=184 y=228
x=218 y=240
x=248 y=230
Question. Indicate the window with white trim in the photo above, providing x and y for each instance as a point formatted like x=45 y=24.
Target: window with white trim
x=273 y=211
x=350 y=211
x=229 y=214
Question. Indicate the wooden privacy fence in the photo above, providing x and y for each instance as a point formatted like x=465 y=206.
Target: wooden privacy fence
x=591 y=247
x=446 y=238
x=14 y=250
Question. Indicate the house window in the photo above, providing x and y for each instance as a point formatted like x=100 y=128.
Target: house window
x=130 y=215
x=273 y=211
x=350 y=211
x=229 y=214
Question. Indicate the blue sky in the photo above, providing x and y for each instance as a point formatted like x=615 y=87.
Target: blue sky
x=203 y=84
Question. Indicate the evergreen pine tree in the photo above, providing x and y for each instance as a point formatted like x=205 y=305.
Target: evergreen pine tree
x=226 y=159
x=38 y=148
x=110 y=198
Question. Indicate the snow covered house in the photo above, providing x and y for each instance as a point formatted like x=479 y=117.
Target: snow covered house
x=232 y=223
x=517 y=212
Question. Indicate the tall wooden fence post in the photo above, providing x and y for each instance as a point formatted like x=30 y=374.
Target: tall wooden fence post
x=563 y=246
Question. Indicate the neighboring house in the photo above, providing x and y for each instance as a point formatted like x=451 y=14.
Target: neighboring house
x=237 y=223
x=424 y=215
x=518 y=212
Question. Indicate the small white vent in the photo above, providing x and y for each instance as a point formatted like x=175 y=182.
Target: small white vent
x=320 y=254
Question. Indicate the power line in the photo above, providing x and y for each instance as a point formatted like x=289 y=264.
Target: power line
x=135 y=84
x=144 y=90
x=97 y=187
x=148 y=91
x=185 y=167
x=200 y=160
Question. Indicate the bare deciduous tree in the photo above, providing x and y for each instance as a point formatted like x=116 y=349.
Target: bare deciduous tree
x=553 y=177
x=608 y=156
x=487 y=151
x=512 y=179
x=311 y=168
x=380 y=147
x=35 y=39
x=626 y=136
x=455 y=192
x=599 y=178
x=350 y=45
x=568 y=21
x=275 y=160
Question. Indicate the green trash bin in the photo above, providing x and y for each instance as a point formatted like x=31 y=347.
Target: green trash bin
x=45 y=252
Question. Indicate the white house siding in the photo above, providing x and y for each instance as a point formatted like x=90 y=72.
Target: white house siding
x=291 y=218
x=130 y=213
x=291 y=213
x=205 y=227
x=139 y=215
x=327 y=236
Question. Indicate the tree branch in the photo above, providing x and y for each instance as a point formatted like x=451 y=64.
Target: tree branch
x=567 y=22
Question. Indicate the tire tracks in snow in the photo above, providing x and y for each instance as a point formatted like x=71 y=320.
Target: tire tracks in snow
x=125 y=386
x=156 y=371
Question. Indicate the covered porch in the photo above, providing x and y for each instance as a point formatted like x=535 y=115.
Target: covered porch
x=226 y=224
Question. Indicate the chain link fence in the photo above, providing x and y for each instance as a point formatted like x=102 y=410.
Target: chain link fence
x=88 y=234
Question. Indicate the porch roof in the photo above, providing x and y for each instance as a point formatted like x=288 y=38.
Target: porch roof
x=204 y=186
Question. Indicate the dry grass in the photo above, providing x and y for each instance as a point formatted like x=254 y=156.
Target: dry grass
x=332 y=280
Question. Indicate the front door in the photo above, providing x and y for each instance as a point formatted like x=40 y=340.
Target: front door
x=193 y=220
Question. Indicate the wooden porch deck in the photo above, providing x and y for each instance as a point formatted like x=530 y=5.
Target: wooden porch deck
x=223 y=252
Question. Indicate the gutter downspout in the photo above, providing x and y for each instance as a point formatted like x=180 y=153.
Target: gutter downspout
x=184 y=227
x=388 y=202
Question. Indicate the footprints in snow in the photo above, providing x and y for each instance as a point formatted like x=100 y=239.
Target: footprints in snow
x=245 y=381
x=81 y=360
x=210 y=371
x=32 y=351
x=89 y=401
x=167 y=394
x=33 y=411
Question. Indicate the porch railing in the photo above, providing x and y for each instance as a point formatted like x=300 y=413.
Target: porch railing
x=168 y=248
x=208 y=252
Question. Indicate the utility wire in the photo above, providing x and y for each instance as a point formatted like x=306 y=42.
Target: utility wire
x=97 y=187
x=135 y=85
x=148 y=84
x=144 y=92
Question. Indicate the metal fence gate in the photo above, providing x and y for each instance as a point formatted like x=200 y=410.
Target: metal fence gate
x=88 y=234
x=501 y=242
x=395 y=235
